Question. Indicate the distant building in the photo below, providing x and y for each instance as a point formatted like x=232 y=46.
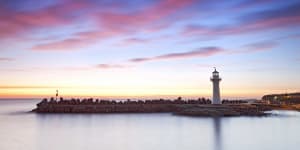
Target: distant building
x=287 y=98
x=215 y=79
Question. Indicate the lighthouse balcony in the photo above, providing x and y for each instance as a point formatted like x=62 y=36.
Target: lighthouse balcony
x=215 y=79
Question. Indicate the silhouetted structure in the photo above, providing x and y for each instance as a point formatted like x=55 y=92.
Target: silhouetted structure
x=56 y=95
x=234 y=102
x=287 y=98
x=198 y=107
x=112 y=106
x=216 y=99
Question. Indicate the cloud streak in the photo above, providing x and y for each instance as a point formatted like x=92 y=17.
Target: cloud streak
x=18 y=23
x=254 y=47
x=279 y=18
x=251 y=3
x=6 y=59
x=201 y=52
x=118 y=19
x=198 y=53
x=130 y=41
x=65 y=45
x=261 y=46
x=111 y=66
x=121 y=23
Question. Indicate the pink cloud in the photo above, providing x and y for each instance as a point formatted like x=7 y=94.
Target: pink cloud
x=241 y=28
x=111 y=66
x=260 y=46
x=293 y=36
x=149 y=19
x=14 y=23
x=254 y=47
x=77 y=41
x=251 y=3
x=202 y=52
x=266 y=24
x=112 y=23
x=6 y=59
x=281 y=18
x=67 y=45
x=141 y=19
x=209 y=51
x=131 y=41
x=198 y=53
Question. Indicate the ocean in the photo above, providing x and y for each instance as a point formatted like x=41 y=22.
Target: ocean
x=22 y=130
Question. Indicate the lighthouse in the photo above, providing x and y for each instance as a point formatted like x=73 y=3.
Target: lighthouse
x=215 y=79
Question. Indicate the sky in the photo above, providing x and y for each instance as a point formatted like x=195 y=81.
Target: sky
x=148 y=49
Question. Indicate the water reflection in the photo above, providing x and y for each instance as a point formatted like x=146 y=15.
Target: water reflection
x=217 y=133
x=144 y=131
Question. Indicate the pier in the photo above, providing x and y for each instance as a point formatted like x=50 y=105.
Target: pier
x=199 y=107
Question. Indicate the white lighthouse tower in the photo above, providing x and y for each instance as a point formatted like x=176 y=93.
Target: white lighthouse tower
x=215 y=79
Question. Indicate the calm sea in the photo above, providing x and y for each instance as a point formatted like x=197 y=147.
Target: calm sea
x=20 y=130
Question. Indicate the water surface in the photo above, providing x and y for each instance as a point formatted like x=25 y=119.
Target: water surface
x=22 y=130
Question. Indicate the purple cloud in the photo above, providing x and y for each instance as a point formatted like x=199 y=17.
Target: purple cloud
x=283 y=17
x=261 y=46
x=130 y=41
x=251 y=3
x=201 y=52
x=119 y=23
x=254 y=47
x=111 y=66
x=6 y=59
x=198 y=53
x=16 y=23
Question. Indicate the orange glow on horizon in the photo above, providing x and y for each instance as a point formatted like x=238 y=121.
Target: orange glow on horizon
x=27 y=92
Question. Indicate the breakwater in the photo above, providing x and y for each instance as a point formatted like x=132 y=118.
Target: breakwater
x=106 y=106
x=199 y=107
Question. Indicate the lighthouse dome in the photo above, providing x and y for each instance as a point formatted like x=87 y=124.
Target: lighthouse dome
x=215 y=70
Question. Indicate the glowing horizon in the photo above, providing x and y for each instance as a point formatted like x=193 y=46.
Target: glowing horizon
x=149 y=49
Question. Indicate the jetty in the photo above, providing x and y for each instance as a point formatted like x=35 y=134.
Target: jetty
x=199 y=107
x=113 y=106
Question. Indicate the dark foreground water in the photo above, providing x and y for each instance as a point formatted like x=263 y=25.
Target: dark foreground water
x=28 y=131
